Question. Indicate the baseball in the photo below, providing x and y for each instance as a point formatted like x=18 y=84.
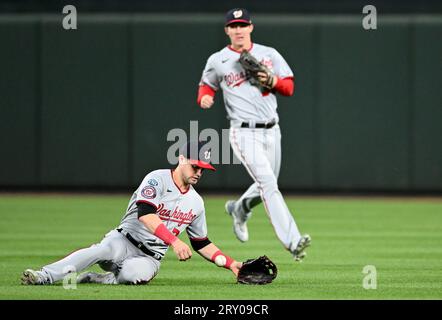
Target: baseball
x=220 y=261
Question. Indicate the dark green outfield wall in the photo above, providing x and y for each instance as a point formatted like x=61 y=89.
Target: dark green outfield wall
x=92 y=107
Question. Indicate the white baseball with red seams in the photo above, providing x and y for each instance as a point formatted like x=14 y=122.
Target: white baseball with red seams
x=259 y=149
x=220 y=260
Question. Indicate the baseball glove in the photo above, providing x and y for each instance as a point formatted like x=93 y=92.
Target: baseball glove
x=257 y=271
x=252 y=66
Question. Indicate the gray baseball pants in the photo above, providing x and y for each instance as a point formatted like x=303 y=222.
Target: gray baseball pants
x=260 y=152
x=114 y=253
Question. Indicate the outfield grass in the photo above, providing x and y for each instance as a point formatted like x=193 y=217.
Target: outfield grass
x=402 y=238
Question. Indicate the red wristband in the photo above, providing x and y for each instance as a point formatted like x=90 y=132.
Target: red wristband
x=229 y=260
x=202 y=91
x=164 y=234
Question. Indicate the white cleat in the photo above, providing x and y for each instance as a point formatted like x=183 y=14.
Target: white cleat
x=239 y=223
x=298 y=252
x=94 y=277
x=32 y=277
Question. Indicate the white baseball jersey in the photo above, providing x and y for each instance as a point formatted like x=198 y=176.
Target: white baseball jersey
x=178 y=211
x=242 y=100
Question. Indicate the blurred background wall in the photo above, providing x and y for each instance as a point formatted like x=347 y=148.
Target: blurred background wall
x=204 y=6
x=91 y=108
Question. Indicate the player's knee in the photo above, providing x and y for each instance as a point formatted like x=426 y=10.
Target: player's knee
x=105 y=251
x=137 y=271
x=112 y=251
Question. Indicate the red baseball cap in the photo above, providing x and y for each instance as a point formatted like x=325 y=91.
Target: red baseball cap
x=198 y=153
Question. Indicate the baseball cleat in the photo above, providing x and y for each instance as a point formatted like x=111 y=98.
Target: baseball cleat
x=32 y=277
x=85 y=277
x=94 y=277
x=298 y=252
x=239 y=224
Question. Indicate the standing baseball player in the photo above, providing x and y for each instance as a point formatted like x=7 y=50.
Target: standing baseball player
x=255 y=137
x=163 y=206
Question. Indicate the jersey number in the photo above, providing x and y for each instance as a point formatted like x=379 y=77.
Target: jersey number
x=176 y=232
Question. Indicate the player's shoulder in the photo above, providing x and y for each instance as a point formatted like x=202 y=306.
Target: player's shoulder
x=196 y=196
x=262 y=47
x=216 y=56
x=225 y=50
x=159 y=172
x=157 y=176
x=222 y=53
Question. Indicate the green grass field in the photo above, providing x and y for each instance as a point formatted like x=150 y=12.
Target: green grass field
x=401 y=237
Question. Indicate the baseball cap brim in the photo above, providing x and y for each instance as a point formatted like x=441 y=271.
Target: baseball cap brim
x=238 y=21
x=202 y=164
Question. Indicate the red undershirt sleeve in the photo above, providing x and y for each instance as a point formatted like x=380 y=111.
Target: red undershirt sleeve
x=285 y=86
x=203 y=90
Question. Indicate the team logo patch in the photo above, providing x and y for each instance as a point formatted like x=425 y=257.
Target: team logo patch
x=153 y=182
x=237 y=14
x=149 y=192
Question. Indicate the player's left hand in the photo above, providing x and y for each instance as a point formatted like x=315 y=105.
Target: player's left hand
x=260 y=270
x=235 y=266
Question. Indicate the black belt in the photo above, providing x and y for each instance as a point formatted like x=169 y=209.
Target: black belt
x=140 y=245
x=266 y=125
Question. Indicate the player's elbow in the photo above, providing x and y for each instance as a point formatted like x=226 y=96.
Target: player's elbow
x=291 y=91
x=285 y=87
x=199 y=244
x=291 y=88
x=288 y=92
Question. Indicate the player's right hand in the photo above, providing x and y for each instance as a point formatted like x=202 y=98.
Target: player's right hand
x=181 y=250
x=206 y=101
x=235 y=266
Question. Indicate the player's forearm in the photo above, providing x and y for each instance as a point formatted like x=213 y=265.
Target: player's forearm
x=151 y=222
x=208 y=251
x=154 y=224
x=212 y=253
